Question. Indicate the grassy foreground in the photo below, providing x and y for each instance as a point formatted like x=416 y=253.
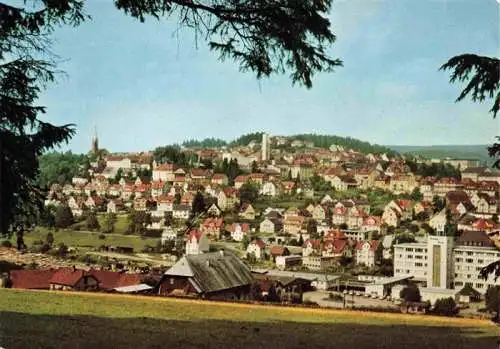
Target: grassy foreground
x=76 y=320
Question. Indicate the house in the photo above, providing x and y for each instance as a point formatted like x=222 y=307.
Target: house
x=319 y=213
x=114 y=205
x=212 y=227
x=311 y=247
x=168 y=234
x=391 y=217
x=270 y=225
x=368 y=253
x=336 y=248
x=239 y=230
x=247 y=212
x=157 y=188
x=278 y=251
x=258 y=248
x=438 y=221
x=164 y=173
x=73 y=279
x=371 y=223
x=109 y=280
x=214 y=210
x=293 y=224
x=220 y=179
x=217 y=275
x=181 y=211
x=239 y=181
x=197 y=243
x=36 y=279
x=473 y=173
x=94 y=202
x=227 y=199
x=269 y=189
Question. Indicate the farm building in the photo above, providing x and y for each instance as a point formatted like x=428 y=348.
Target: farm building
x=216 y=275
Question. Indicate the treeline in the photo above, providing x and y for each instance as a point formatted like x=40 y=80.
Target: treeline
x=173 y=154
x=439 y=170
x=60 y=168
x=206 y=143
x=325 y=141
x=247 y=138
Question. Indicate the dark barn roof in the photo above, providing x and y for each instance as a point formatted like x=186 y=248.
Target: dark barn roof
x=212 y=272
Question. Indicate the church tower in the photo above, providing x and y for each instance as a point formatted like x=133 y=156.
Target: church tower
x=95 y=142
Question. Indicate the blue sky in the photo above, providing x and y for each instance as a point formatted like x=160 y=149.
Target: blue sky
x=150 y=84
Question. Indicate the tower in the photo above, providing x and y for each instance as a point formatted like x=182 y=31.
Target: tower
x=440 y=261
x=265 y=147
x=95 y=142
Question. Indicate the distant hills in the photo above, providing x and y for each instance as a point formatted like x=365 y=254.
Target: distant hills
x=479 y=152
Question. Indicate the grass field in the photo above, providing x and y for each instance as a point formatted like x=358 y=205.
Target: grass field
x=72 y=320
x=87 y=239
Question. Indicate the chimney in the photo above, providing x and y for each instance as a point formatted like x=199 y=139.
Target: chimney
x=74 y=268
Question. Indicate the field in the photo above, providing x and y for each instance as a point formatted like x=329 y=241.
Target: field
x=478 y=152
x=76 y=320
x=88 y=239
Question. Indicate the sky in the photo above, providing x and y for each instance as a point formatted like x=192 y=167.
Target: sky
x=144 y=85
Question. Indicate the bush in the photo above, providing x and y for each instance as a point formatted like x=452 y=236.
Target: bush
x=410 y=293
x=45 y=248
x=38 y=242
x=446 y=307
x=102 y=237
x=6 y=243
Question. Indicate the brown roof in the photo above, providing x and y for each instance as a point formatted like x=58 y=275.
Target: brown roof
x=474 y=238
x=67 y=276
x=31 y=279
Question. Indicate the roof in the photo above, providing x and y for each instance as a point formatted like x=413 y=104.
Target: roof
x=259 y=243
x=373 y=244
x=107 y=279
x=31 y=279
x=133 y=288
x=212 y=272
x=67 y=276
x=474 y=238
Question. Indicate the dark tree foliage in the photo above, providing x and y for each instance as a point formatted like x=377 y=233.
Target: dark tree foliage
x=60 y=168
x=63 y=217
x=137 y=221
x=312 y=229
x=198 y=205
x=91 y=221
x=248 y=193
x=410 y=293
x=243 y=140
x=492 y=301
x=205 y=143
x=171 y=154
x=483 y=84
x=325 y=141
x=439 y=170
x=485 y=81
x=25 y=70
x=446 y=307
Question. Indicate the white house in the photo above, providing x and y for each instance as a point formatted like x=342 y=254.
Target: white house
x=368 y=252
x=438 y=221
x=197 y=243
x=258 y=248
x=239 y=230
x=168 y=234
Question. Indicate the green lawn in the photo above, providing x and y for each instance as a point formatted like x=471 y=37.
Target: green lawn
x=88 y=239
x=121 y=224
x=72 y=320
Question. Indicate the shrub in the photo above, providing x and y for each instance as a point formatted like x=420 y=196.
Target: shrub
x=45 y=248
x=102 y=237
x=6 y=243
x=446 y=307
x=410 y=293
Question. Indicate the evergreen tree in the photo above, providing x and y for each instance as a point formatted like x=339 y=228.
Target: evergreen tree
x=91 y=221
x=63 y=217
x=198 y=205
x=109 y=223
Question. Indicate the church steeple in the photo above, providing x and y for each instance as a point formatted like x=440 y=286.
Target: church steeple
x=95 y=142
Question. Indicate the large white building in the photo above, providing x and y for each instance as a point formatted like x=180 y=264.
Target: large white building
x=441 y=263
x=265 y=147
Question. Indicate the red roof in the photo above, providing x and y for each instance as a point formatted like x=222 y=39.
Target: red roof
x=372 y=221
x=245 y=227
x=404 y=203
x=483 y=224
x=277 y=251
x=129 y=280
x=165 y=167
x=240 y=179
x=315 y=243
x=334 y=234
x=157 y=184
x=107 y=279
x=259 y=243
x=337 y=245
x=67 y=276
x=213 y=223
x=195 y=234
x=31 y=279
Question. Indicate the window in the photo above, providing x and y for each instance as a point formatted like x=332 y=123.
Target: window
x=480 y=261
x=410 y=256
x=418 y=264
x=469 y=260
x=479 y=285
x=408 y=249
x=470 y=253
x=458 y=283
x=419 y=250
x=171 y=281
x=458 y=260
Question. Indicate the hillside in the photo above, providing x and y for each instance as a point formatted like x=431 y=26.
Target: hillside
x=479 y=152
x=85 y=320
